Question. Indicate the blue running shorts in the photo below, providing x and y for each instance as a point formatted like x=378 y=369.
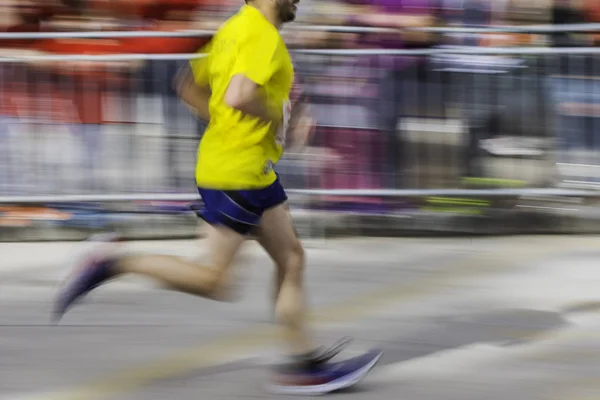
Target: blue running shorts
x=239 y=210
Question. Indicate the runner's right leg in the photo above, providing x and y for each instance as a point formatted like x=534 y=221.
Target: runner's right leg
x=276 y=234
x=309 y=371
x=272 y=243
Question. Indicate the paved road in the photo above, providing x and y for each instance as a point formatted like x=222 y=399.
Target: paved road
x=491 y=318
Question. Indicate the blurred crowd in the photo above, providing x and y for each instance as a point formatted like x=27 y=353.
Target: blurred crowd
x=82 y=97
x=168 y=15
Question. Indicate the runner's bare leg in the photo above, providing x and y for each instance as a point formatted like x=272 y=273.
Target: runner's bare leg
x=186 y=276
x=277 y=236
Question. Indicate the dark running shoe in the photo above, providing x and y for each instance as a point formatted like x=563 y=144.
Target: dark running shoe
x=324 y=378
x=92 y=268
x=317 y=376
x=322 y=356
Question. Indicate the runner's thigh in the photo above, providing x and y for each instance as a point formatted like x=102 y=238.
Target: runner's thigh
x=277 y=235
x=224 y=245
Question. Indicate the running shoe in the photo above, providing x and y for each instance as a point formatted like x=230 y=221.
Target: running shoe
x=316 y=375
x=324 y=355
x=319 y=379
x=92 y=268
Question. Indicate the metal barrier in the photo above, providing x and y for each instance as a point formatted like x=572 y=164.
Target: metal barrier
x=541 y=29
x=446 y=121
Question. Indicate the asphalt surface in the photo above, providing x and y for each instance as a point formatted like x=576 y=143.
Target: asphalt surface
x=489 y=318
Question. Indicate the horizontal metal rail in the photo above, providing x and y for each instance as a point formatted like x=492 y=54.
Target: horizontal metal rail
x=390 y=193
x=541 y=29
x=101 y=57
x=324 y=52
x=454 y=50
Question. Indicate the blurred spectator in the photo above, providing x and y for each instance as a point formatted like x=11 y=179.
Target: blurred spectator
x=503 y=98
x=75 y=94
x=521 y=12
x=17 y=16
x=156 y=75
x=82 y=97
x=324 y=13
x=401 y=75
x=575 y=86
x=566 y=12
x=72 y=93
x=591 y=9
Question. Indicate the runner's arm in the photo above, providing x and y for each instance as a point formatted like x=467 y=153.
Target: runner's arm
x=196 y=95
x=192 y=83
x=255 y=63
x=302 y=122
x=245 y=95
x=302 y=127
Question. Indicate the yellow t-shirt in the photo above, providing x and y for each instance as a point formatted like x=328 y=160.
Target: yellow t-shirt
x=238 y=151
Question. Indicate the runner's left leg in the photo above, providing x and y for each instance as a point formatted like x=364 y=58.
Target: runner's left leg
x=102 y=264
x=187 y=276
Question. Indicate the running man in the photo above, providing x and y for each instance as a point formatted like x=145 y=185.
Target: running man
x=242 y=88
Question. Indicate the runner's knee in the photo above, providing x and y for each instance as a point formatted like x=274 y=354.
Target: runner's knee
x=217 y=287
x=295 y=259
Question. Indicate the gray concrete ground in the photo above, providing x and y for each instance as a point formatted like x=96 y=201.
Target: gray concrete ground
x=487 y=318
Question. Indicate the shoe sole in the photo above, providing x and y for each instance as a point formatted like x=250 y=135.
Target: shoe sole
x=318 y=390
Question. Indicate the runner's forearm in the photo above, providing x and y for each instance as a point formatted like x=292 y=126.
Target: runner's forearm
x=260 y=107
x=194 y=96
x=246 y=96
x=198 y=100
